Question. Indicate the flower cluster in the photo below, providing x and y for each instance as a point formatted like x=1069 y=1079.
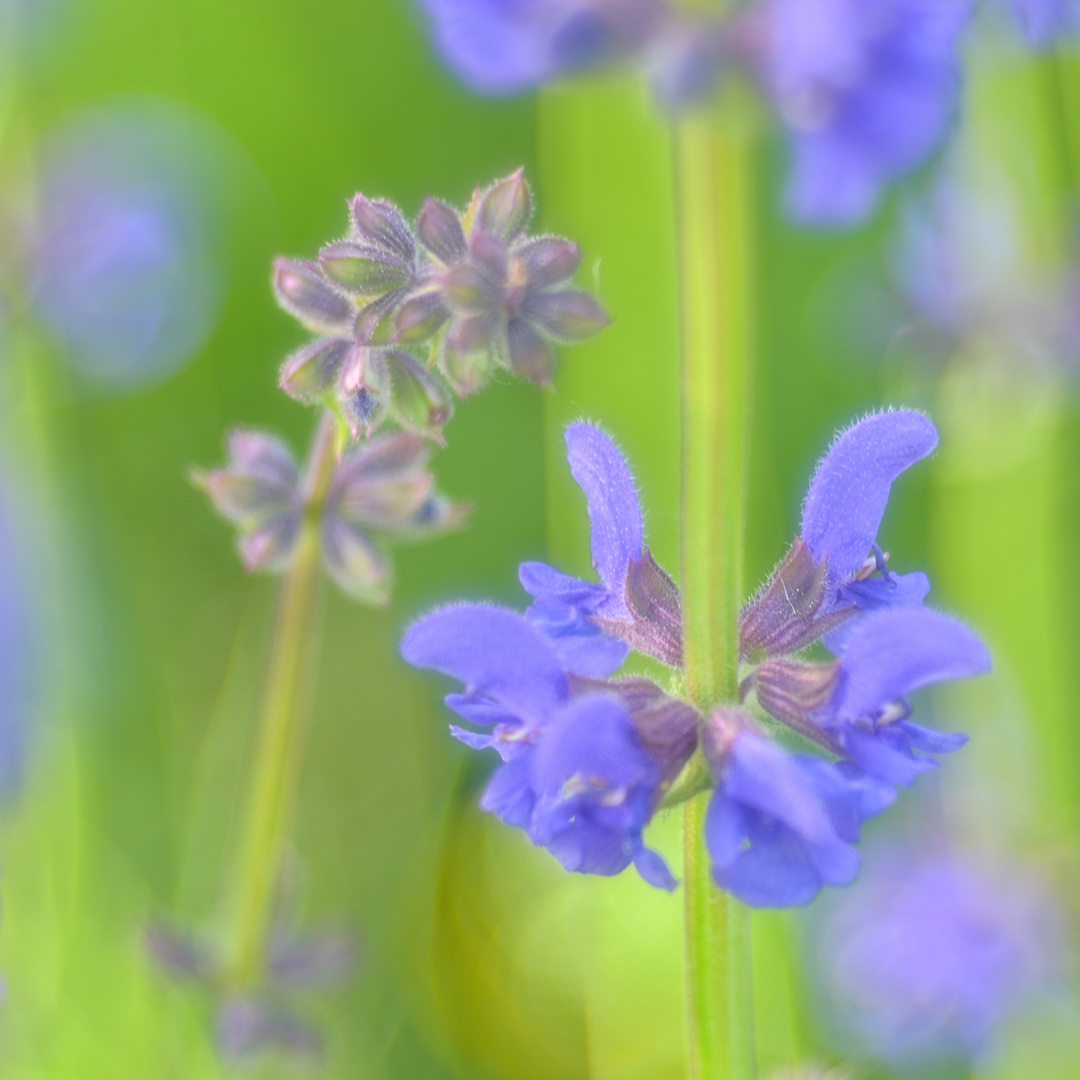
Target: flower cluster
x=864 y=91
x=407 y=317
x=380 y=488
x=589 y=758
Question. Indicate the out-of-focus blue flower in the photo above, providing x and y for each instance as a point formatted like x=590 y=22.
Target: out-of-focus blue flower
x=503 y=46
x=866 y=91
x=922 y=959
x=1044 y=21
x=20 y=662
x=575 y=775
x=779 y=825
x=891 y=654
x=965 y=274
x=381 y=489
x=127 y=270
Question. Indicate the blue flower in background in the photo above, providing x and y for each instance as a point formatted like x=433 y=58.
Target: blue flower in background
x=20 y=663
x=1044 y=21
x=574 y=774
x=866 y=91
x=924 y=958
x=127 y=268
x=504 y=46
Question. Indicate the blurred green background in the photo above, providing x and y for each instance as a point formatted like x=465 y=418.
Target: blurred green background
x=479 y=957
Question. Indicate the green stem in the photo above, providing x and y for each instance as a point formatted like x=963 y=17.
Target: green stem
x=714 y=185
x=285 y=701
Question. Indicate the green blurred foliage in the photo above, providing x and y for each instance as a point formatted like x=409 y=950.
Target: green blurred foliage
x=480 y=957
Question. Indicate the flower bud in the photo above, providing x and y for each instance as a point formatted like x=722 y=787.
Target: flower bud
x=305 y=294
x=418 y=401
x=439 y=229
x=719 y=732
x=506 y=207
x=652 y=598
x=549 y=261
x=364 y=389
x=783 y=617
x=791 y=690
x=466 y=371
x=530 y=356
x=420 y=317
x=310 y=371
x=366 y=271
x=378 y=222
x=354 y=560
x=567 y=315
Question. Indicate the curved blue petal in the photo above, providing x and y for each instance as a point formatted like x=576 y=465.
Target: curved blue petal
x=543 y=582
x=886 y=754
x=495 y=652
x=654 y=870
x=480 y=711
x=583 y=648
x=850 y=489
x=774 y=871
x=614 y=513
x=509 y=794
x=900 y=591
x=933 y=742
x=894 y=652
x=770 y=830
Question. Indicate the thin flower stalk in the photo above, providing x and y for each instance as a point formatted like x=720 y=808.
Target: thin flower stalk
x=285 y=702
x=714 y=182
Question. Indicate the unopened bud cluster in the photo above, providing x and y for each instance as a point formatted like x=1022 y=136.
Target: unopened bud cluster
x=408 y=316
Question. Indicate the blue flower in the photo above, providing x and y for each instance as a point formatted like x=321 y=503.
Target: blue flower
x=592 y=624
x=779 y=825
x=924 y=958
x=1044 y=21
x=504 y=46
x=574 y=775
x=892 y=654
x=835 y=570
x=866 y=91
x=125 y=258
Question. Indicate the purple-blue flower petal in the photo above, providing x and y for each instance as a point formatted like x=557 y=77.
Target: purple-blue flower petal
x=1043 y=21
x=654 y=870
x=593 y=738
x=850 y=489
x=886 y=754
x=771 y=838
x=483 y=712
x=899 y=591
x=494 y=652
x=509 y=794
x=614 y=512
x=544 y=582
x=897 y=651
x=499 y=46
x=867 y=90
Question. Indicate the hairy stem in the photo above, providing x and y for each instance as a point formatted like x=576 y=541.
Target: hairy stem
x=714 y=182
x=284 y=707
